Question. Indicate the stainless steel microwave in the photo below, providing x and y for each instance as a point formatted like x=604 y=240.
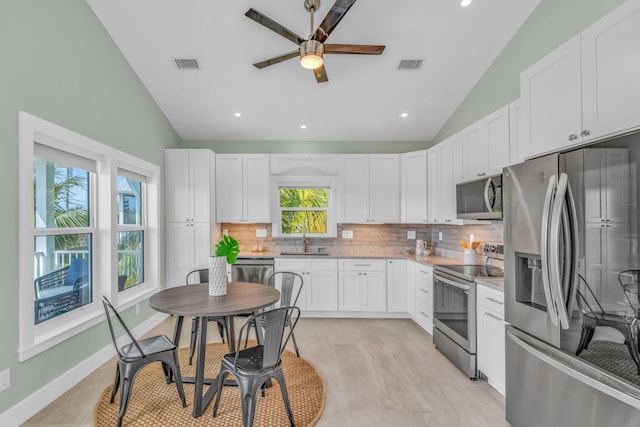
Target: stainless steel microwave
x=480 y=199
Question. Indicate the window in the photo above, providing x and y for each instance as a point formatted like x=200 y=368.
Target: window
x=304 y=210
x=88 y=227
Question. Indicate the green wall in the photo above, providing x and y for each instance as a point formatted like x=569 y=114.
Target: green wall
x=58 y=63
x=316 y=147
x=552 y=23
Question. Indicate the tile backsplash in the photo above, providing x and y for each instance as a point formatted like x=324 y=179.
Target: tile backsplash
x=370 y=238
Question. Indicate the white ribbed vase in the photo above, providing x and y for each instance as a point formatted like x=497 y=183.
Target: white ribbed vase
x=217 y=276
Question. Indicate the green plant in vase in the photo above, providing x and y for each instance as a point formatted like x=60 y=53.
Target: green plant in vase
x=226 y=252
x=228 y=247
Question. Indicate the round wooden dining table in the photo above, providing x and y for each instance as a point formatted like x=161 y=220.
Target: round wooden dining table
x=195 y=301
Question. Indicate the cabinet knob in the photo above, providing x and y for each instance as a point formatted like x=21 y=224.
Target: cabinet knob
x=585 y=132
x=573 y=137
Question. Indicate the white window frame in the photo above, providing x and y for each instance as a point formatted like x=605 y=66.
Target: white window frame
x=278 y=182
x=34 y=339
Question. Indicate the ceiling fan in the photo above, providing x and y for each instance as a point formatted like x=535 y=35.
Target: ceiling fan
x=312 y=49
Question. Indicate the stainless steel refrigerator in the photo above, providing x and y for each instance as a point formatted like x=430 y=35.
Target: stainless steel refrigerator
x=571 y=288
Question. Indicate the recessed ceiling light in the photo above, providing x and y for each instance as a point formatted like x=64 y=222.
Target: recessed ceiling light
x=465 y=3
x=237 y=114
x=403 y=115
x=303 y=126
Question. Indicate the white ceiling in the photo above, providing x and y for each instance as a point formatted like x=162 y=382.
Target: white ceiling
x=365 y=95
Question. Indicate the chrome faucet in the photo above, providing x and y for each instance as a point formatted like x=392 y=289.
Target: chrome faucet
x=304 y=235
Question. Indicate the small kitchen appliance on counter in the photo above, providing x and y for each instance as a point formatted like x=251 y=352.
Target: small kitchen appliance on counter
x=454 y=306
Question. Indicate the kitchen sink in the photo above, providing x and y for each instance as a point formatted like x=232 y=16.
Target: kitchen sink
x=304 y=254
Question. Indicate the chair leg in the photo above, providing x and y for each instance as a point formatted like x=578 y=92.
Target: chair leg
x=192 y=345
x=116 y=383
x=295 y=344
x=585 y=338
x=249 y=393
x=221 y=331
x=125 y=394
x=632 y=345
x=221 y=377
x=285 y=395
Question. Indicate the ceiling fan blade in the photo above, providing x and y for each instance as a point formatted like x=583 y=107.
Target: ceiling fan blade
x=354 y=49
x=277 y=59
x=321 y=74
x=273 y=26
x=335 y=15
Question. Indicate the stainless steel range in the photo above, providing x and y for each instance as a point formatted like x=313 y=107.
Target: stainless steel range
x=454 y=306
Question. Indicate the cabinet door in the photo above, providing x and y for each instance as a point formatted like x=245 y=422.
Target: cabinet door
x=384 y=188
x=229 y=190
x=201 y=245
x=433 y=204
x=200 y=169
x=447 y=185
x=610 y=70
x=475 y=144
x=177 y=183
x=350 y=293
x=179 y=252
x=618 y=189
x=321 y=290
x=413 y=170
x=374 y=291
x=491 y=347
x=551 y=100
x=498 y=153
x=397 y=301
x=255 y=170
x=354 y=189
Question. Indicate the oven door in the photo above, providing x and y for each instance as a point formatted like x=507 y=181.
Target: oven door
x=454 y=310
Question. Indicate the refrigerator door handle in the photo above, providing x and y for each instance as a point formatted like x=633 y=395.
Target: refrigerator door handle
x=544 y=248
x=546 y=356
x=573 y=226
x=555 y=257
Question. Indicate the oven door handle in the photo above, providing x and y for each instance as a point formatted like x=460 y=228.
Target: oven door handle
x=452 y=283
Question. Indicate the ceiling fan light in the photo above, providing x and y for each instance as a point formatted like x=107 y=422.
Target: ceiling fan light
x=311 y=52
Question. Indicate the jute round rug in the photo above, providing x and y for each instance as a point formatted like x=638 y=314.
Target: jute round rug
x=153 y=402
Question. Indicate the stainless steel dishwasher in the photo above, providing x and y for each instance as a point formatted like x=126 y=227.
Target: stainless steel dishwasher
x=253 y=270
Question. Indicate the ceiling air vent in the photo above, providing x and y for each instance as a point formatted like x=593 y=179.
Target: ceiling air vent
x=410 y=64
x=187 y=64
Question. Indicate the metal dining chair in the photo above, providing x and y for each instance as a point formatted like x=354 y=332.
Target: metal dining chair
x=254 y=366
x=136 y=355
x=201 y=276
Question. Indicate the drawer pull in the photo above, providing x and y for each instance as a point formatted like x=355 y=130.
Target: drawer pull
x=494 y=300
x=493 y=316
x=362 y=265
x=424 y=314
x=422 y=290
x=424 y=272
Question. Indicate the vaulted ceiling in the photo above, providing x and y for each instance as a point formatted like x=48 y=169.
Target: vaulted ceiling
x=365 y=95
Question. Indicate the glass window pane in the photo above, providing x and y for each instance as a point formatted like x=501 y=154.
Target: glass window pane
x=293 y=222
x=62 y=274
x=130 y=259
x=61 y=195
x=304 y=197
x=129 y=201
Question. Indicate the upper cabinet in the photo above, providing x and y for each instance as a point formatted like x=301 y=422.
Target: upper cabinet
x=413 y=187
x=189 y=181
x=369 y=188
x=444 y=172
x=486 y=146
x=242 y=185
x=587 y=88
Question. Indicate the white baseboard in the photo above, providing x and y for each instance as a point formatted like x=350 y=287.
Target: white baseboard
x=30 y=406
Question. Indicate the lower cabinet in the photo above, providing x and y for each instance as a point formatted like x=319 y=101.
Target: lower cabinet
x=424 y=297
x=397 y=289
x=362 y=285
x=491 y=341
x=319 y=282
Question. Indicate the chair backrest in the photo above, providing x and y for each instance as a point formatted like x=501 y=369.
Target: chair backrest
x=198 y=276
x=290 y=287
x=583 y=297
x=108 y=310
x=630 y=282
x=78 y=274
x=275 y=340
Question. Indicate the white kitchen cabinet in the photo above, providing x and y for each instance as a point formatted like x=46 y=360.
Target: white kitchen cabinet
x=319 y=282
x=424 y=297
x=516 y=131
x=413 y=187
x=242 y=186
x=369 y=188
x=587 y=88
x=491 y=339
x=362 y=285
x=190 y=211
x=444 y=173
x=411 y=288
x=485 y=145
x=397 y=286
